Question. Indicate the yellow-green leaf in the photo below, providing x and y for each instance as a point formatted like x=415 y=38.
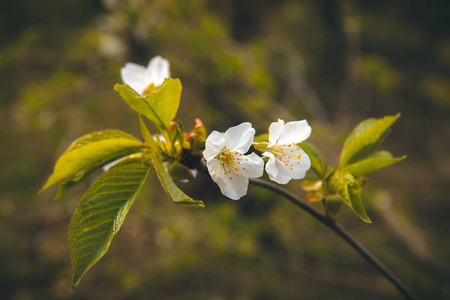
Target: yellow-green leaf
x=343 y=185
x=360 y=128
x=101 y=212
x=372 y=163
x=146 y=134
x=354 y=191
x=173 y=192
x=160 y=106
x=89 y=153
x=365 y=138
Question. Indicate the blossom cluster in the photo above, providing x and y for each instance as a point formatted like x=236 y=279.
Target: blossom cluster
x=231 y=168
x=226 y=153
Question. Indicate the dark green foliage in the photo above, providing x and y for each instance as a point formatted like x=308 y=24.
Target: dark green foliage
x=100 y=214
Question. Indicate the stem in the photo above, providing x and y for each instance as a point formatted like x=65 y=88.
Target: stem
x=341 y=232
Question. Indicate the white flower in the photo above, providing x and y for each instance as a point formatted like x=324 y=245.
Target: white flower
x=140 y=78
x=286 y=159
x=227 y=164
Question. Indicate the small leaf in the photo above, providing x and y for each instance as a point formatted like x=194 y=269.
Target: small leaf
x=146 y=134
x=160 y=106
x=354 y=191
x=372 y=163
x=365 y=138
x=89 y=153
x=338 y=184
x=101 y=212
x=317 y=164
x=173 y=192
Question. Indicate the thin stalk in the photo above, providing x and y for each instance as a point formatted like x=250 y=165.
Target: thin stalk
x=341 y=232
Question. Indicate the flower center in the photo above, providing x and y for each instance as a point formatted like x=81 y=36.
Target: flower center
x=150 y=89
x=230 y=161
x=285 y=154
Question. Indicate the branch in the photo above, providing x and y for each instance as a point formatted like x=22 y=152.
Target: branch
x=340 y=231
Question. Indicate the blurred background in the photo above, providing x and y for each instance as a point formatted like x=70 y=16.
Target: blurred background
x=333 y=63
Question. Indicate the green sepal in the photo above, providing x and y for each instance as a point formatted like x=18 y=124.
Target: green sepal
x=365 y=138
x=372 y=163
x=317 y=164
x=160 y=106
x=146 y=134
x=88 y=153
x=173 y=192
x=101 y=212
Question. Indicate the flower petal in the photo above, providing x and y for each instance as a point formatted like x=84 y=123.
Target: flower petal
x=294 y=132
x=158 y=68
x=274 y=131
x=234 y=187
x=213 y=145
x=239 y=138
x=271 y=169
x=289 y=168
x=251 y=166
x=136 y=77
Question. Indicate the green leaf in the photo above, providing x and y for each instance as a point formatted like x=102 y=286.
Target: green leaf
x=173 y=192
x=100 y=214
x=317 y=164
x=354 y=191
x=160 y=107
x=365 y=138
x=66 y=185
x=338 y=184
x=89 y=153
x=360 y=128
x=372 y=163
x=146 y=134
